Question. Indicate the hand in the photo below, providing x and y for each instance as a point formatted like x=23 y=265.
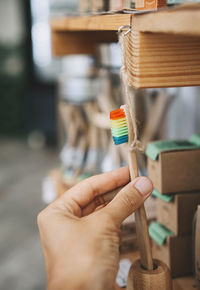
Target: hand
x=80 y=234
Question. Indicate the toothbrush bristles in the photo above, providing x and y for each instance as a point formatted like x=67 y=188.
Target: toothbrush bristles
x=119 y=126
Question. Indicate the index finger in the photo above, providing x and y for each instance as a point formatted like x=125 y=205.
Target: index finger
x=84 y=192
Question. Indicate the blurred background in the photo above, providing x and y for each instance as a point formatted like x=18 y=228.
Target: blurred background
x=28 y=134
x=49 y=139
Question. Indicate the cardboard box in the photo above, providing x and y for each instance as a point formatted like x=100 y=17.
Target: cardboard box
x=176 y=253
x=121 y=4
x=84 y=6
x=100 y=5
x=174 y=166
x=149 y=4
x=197 y=246
x=178 y=214
x=185 y=283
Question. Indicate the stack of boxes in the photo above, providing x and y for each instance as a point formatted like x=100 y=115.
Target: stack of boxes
x=95 y=6
x=149 y=4
x=121 y=4
x=174 y=168
x=99 y=6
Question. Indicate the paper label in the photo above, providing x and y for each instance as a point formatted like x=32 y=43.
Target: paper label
x=159 y=233
x=164 y=197
x=195 y=139
x=155 y=148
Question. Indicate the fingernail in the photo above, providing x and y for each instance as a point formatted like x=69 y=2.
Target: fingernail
x=144 y=185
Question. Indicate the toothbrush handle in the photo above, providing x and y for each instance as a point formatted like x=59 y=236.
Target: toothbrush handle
x=143 y=238
x=140 y=218
x=141 y=221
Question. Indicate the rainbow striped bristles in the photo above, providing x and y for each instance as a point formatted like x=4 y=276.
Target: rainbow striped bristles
x=119 y=126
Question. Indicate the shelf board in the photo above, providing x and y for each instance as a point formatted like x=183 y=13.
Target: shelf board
x=108 y=22
x=182 y=20
x=75 y=35
x=81 y=34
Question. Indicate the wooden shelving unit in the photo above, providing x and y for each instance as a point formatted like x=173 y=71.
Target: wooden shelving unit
x=182 y=20
x=108 y=22
x=81 y=34
x=75 y=35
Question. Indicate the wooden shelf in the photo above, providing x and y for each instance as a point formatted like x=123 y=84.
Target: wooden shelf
x=90 y=23
x=75 y=35
x=182 y=20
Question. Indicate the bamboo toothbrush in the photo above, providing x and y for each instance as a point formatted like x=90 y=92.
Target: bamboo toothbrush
x=123 y=132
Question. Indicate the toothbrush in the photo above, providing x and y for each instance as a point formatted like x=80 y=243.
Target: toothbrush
x=123 y=132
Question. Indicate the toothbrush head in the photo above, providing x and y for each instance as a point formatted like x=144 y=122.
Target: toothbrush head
x=119 y=126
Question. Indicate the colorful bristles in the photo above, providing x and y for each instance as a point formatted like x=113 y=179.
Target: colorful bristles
x=119 y=126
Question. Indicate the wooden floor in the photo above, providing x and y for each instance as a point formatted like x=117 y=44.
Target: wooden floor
x=21 y=174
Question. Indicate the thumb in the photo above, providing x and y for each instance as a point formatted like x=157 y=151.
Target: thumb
x=130 y=198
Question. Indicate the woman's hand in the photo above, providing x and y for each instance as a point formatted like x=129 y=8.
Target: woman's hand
x=80 y=233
